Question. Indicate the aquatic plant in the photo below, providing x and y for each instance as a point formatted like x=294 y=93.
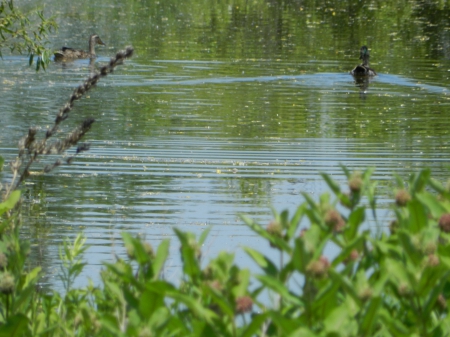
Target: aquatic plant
x=30 y=148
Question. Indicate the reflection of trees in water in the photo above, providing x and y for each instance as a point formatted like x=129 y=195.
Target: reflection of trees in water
x=240 y=29
x=254 y=191
x=37 y=229
x=434 y=19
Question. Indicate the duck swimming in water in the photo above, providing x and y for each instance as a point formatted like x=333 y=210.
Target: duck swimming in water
x=70 y=54
x=363 y=69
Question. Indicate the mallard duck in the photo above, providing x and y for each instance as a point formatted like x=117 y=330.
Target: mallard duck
x=68 y=54
x=363 y=69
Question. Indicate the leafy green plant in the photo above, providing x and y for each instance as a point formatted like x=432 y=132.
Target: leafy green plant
x=395 y=283
x=392 y=285
x=19 y=33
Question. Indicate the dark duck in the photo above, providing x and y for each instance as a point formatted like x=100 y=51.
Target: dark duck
x=363 y=69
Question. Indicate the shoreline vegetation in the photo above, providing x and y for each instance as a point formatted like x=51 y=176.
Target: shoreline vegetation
x=391 y=284
x=25 y=33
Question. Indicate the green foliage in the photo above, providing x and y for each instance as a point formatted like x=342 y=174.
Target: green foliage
x=395 y=283
x=19 y=32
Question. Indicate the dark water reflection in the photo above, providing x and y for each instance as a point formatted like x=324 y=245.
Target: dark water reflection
x=227 y=108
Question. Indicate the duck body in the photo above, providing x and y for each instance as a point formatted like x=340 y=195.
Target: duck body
x=70 y=54
x=363 y=69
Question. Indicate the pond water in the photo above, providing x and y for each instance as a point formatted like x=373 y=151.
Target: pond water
x=226 y=108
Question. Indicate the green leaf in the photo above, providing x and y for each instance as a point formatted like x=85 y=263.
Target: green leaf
x=285 y=325
x=395 y=326
x=191 y=265
x=419 y=181
x=2 y=160
x=433 y=289
x=301 y=255
x=284 y=219
x=115 y=290
x=397 y=272
x=32 y=277
x=302 y=332
x=345 y=252
x=203 y=236
x=140 y=254
x=326 y=298
x=355 y=219
x=240 y=289
x=295 y=221
x=264 y=262
x=9 y=204
x=345 y=170
x=194 y=305
x=276 y=241
x=417 y=216
x=160 y=257
x=24 y=297
x=221 y=301
x=255 y=325
x=310 y=201
x=370 y=317
x=399 y=180
x=437 y=186
x=346 y=284
x=15 y=326
x=149 y=302
x=334 y=186
x=432 y=203
x=337 y=320
x=110 y=323
x=162 y=286
x=280 y=289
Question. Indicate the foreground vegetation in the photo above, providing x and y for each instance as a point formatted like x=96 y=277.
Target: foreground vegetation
x=394 y=284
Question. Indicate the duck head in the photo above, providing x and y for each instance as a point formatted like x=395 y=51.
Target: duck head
x=364 y=55
x=95 y=39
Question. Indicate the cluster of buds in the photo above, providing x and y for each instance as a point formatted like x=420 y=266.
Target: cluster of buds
x=402 y=197
x=244 y=304
x=432 y=260
x=355 y=182
x=7 y=283
x=318 y=268
x=444 y=223
x=334 y=220
x=275 y=229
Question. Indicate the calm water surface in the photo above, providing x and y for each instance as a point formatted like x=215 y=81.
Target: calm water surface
x=208 y=121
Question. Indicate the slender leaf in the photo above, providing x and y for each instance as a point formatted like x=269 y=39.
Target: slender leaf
x=255 y=325
x=370 y=317
x=432 y=203
x=203 y=236
x=160 y=258
x=355 y=219
x=334 y=186
x=263 y=261
x=280 y=289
